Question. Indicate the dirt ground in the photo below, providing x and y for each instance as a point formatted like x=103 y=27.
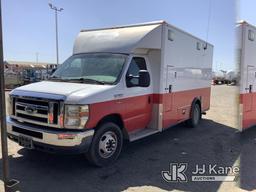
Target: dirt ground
x=215 y=141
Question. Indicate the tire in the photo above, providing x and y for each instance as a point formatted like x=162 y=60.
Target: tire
x=196 y=116
x=106 y=145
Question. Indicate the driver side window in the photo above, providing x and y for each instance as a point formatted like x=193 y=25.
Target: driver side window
x=132 y=76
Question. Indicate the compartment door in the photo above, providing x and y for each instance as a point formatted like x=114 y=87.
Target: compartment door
x=250 y=88
x=170 y=78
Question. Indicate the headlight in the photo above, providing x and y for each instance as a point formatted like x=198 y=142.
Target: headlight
x=76 y=116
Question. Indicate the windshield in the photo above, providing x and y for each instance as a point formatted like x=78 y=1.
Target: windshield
x=91 y=68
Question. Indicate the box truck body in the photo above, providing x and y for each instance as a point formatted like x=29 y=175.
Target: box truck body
x=246 y=48
x=141 y=78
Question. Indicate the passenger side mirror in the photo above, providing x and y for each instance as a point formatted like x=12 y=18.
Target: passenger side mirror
x=144 y=78
x=53 y=70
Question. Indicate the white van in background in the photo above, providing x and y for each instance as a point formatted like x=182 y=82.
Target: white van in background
x=246 y=48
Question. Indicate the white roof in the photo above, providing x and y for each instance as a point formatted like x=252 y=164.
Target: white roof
x=243 y=22
x=123 y=39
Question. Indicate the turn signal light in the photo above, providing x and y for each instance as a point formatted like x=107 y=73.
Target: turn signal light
x=66 y=136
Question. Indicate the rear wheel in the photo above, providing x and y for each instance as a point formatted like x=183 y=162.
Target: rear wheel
x=106 y=145
x=196 y=116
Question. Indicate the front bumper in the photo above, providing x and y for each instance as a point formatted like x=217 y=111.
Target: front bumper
x=50 y=139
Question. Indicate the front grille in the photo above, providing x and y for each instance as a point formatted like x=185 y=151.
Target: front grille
x=37 y=111
x=39 y=119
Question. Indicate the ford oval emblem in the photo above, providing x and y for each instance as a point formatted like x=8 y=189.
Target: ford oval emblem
x=30 y=109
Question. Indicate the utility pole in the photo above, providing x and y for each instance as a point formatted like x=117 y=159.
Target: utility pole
x=56 y=10
x=8 y=184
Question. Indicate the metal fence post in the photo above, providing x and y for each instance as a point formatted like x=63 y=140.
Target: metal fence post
x=8 y=184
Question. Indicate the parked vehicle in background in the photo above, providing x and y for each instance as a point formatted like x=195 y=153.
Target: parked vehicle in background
x=34 y=75
x=224 y=77
x=124 y=82
x=231 y=78
x=218 y=78
x=12 y=79
x=246 y=49
x=19 y=73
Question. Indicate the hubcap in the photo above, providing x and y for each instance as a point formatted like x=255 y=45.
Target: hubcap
x=107 y=144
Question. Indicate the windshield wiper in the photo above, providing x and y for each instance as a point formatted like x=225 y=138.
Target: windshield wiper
x=85 y=80
x=55 y=78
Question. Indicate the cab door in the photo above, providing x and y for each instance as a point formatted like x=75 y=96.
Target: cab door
x=138 y=102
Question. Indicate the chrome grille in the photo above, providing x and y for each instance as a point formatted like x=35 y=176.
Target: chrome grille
x=37 y=111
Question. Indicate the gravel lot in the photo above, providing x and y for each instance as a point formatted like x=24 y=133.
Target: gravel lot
x=215 y=141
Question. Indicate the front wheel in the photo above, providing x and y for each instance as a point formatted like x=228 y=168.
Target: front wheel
x=196 y=116
x=106 y=145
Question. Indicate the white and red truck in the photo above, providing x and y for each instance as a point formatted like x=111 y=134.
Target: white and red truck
x=246 y=58
x=125 y=82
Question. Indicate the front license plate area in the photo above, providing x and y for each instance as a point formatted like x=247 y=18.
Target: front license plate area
x=26 y=142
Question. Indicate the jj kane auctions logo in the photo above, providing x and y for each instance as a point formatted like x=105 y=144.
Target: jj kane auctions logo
x=177 y=173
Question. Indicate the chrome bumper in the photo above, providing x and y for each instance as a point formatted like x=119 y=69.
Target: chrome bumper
x=53 y=137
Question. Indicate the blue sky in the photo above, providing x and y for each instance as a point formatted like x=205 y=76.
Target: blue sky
x=29 y=24
x=247 y=11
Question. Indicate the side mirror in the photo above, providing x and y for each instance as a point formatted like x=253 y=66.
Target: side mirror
x=53 y=70
x=144 y=78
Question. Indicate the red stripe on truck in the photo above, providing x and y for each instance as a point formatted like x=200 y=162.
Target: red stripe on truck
x=248 y=101
x=181 y=104
x=136 y=111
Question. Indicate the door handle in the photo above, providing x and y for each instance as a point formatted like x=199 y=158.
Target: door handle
x=249 y=88
x=170 y=88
